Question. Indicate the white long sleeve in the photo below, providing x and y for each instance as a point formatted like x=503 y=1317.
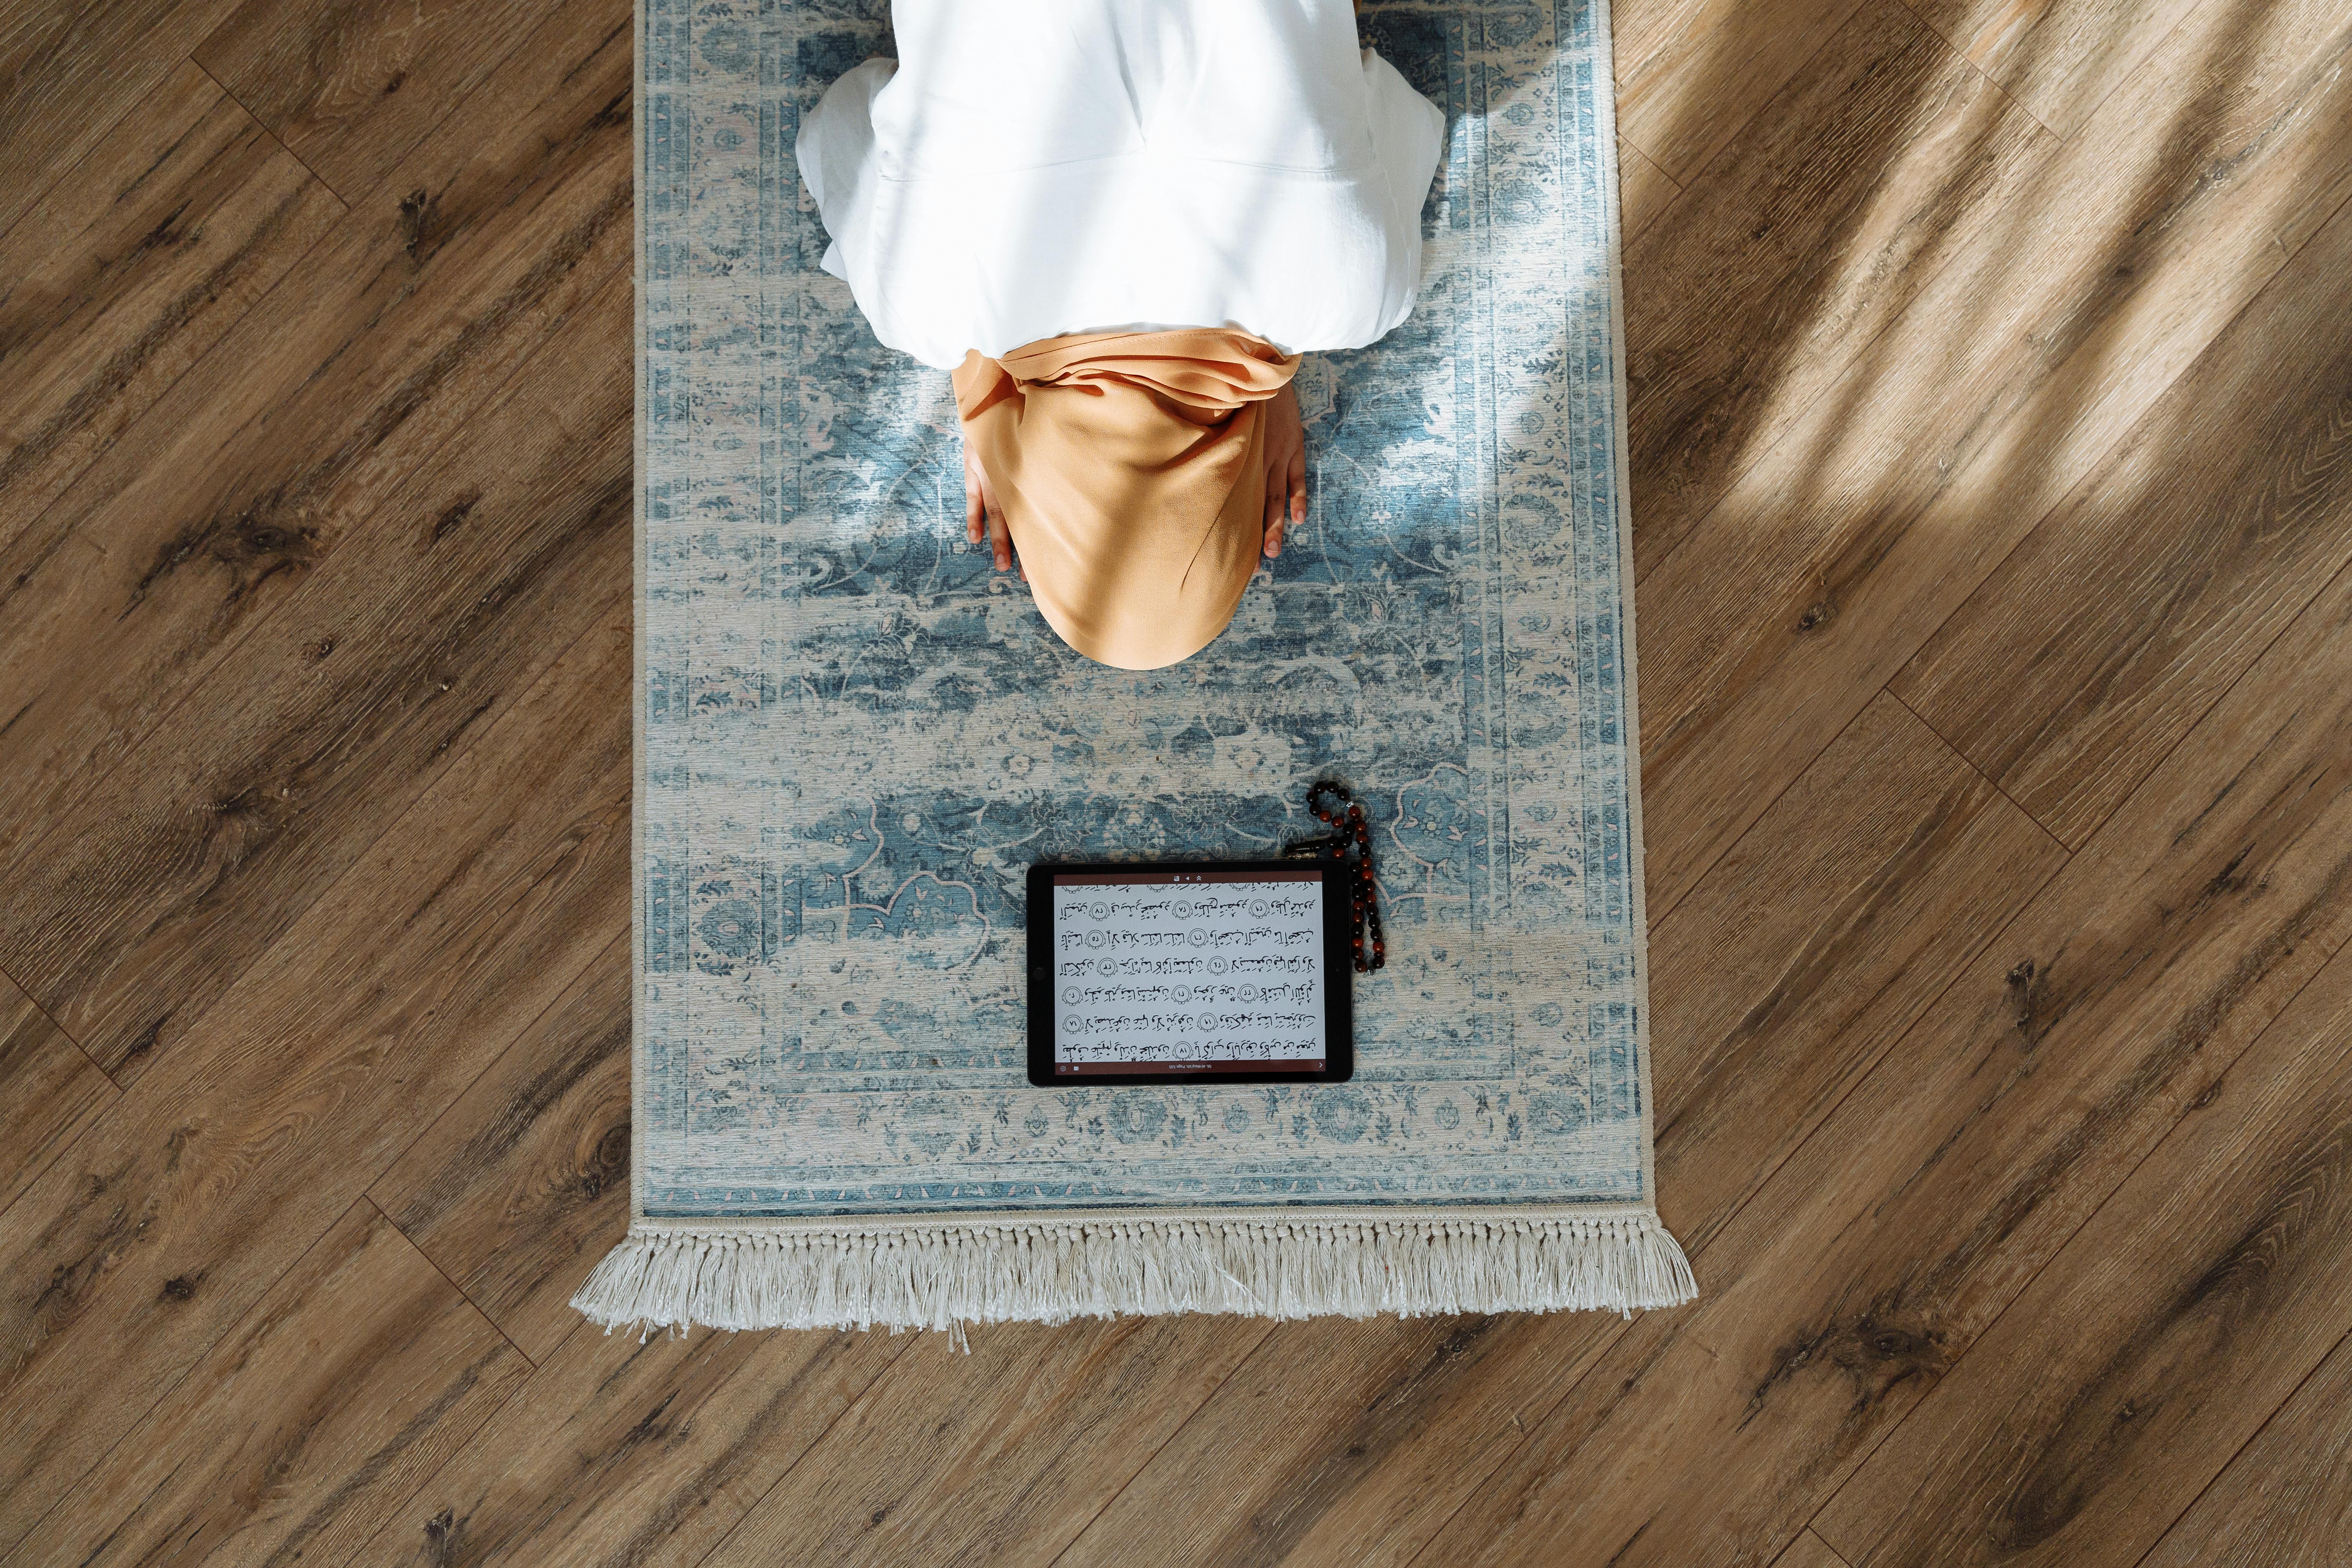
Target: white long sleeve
x=1034 y=167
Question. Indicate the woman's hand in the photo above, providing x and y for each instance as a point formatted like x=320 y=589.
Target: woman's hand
x=982 y=515
x=1286 y=467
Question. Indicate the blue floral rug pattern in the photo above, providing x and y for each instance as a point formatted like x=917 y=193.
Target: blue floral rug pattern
x=854 y=736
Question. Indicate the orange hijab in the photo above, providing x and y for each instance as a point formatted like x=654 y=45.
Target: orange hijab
x=1131 y=470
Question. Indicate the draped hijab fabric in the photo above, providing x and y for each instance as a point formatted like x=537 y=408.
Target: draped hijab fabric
x=1130 y=469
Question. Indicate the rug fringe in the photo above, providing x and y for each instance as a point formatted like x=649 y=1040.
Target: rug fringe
x=942 y=1276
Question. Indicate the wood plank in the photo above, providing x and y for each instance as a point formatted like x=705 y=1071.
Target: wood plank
x=49 y=1092
x=352 y=85
x=1343 y=1442
x=523 y=1185
x=1021 y=1443
x=2060 y=58
x=69 y=69
x=1691 y=73
x=1808 y=1550
x=2305 y=218
x=118 y=281
x=2286 y=1501
x=154 y=888
x=1878 y=1254
x=1792 y=970
x=129 y=1257
x=1796 y=248
x=305 y=1430
x=1643 y=191
x=1814 y=944
x=638 y=1453
x=1829 y=562
x=2118 y=620
x=2155 y=1344
x=394 y=332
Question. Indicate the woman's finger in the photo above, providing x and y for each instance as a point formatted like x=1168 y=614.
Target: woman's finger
x=1298 y=487
x=989 y=516
x=1000 y=537
x=973 y=514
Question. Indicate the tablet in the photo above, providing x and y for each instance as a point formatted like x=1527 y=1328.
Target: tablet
x=1231 y=971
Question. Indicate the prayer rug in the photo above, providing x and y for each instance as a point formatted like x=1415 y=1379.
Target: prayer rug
x=852 y=737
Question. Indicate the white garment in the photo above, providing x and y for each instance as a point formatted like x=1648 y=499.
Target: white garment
x=1034 y=167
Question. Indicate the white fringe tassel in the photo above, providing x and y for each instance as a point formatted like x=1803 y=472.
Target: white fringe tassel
x=944 y=1274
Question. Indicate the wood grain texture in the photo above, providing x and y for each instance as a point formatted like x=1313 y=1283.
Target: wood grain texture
x=1643 y=191
x=1691 y=74
x=1871 y=1261
x=399 y=327
x=1002 y=1456
x=2304 y=217
x=69 y=69
x=49 y=1092
x=117 y=282
x=523 y=1185
x=2286 y=1501
x=2118 y=620
x=450 y=593
x=1794 y=251
x=1794 y=967
x=1808 y=1550
x=1811 y=948
x=2059 y=58
x=320 y=1414
x=127 y=1259
x=1358 y=1462
x=352 y=85
x=1836 y=554
x=2156 y=1342
x=623 y=1454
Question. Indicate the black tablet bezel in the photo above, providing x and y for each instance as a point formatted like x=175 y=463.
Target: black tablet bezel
x=1338 y=970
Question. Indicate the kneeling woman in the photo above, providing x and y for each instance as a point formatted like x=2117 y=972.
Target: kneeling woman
x=1120 y=222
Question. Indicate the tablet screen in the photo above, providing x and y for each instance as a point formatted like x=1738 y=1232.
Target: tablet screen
x=1189 y=971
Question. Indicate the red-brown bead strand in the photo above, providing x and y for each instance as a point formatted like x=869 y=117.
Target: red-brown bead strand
x=1363 y=895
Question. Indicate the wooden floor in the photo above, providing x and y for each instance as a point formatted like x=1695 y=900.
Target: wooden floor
x=1991 y=427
